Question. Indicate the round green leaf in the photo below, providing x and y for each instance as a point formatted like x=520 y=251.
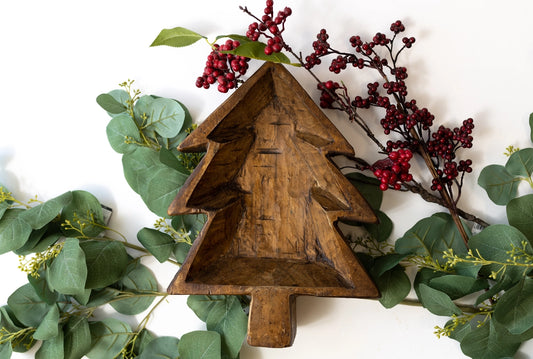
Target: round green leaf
x=27 y=307
x=67 y=273
x=83 y=212
x=38 y=216
x=123 y=134
x=143 y=339
x=514 y=309
x=108 y=336
x=228 y=319
x=484 y=342
x=163 y=116
x=437 y=302
x=520 y=214
x=176 y=37
x=106 y=262
x=77 y=337
x=520 y=163
x=164 y=184
x=200 y=345
x=500 y=185
x=162 y=347
x=137 y=165
x=494 y=244
x=49 y=326
x=110 y=104
x=368 y=187
x=138 y=280
x=159 y=244
x=382 y=230
x=52 y=348
x=14 y=231
x=457 y=286
x=394 y=285
x=5 y=350
x=40 y=285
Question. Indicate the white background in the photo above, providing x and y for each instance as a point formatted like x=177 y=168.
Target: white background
x=471 y=59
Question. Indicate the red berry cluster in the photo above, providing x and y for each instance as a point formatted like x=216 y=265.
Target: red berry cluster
x=271 y=27
x=393 y=170
x=328 y=96
x=223 y=68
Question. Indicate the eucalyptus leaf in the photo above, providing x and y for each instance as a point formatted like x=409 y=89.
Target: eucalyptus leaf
x=520 y=163
x=108 y=337
x=168 y=158
x=460 y=331
x=385 y=263
x=123 y=134
x=458 y=286
x=159 y=244
x=201 y=305
x=177 y=37
x=67 y=273
x=121 y=97
x=162 y=347
x=52 y=348
x=40 y=285
x=382 y=230
x=14 y=231
x=27 y=306
x=38 y=216
x=137 y=165
x=33 y=240
x=77 y=336
x=144 y=338
x=3 y=207
x=5 y=350
x=83 y=297
x=437 y=302
x=500 y=185
x=200 y=345
x=106 y=262
x=138 y=280
x=49 y=327
x=520 y=214
x=8 y=319
x=515 y=307
x=102 y=296
x=368 y=187
x=494 y=243
x=161 y=115
x=229 y=320
x=432 y=236
x=394 y=285
x=484 y=342
x=110 y=104
x=180 y=250
x=84 y=213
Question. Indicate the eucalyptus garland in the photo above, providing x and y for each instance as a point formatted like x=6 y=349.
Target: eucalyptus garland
x=77 y=264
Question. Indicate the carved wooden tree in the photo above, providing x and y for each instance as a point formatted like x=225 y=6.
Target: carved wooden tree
x=272 y=197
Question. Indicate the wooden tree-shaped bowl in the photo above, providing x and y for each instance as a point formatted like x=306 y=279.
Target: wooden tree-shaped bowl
x=273 y=198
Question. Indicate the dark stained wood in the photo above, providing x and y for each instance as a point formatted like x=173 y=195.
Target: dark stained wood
x=272 y=197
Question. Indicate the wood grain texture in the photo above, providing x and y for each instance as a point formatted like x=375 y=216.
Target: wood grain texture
x=272 y=197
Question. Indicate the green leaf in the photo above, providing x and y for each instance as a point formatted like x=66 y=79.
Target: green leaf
x=139 y=279
x=177 y=37
x=514 y=309
x=77 y=337
x=200 y=345
x=102 y=296
x=503 y=283
x=432 y=236
x=67 y=273
x=437 y=302
x=5 y=350
x=520 y=163
x=181 y=249
x=457 y=286
x=159 y=244
x=108 y=337
x=460 y=331
x=394 y=285
x=38 y=216
x=382 y=230
x=201 y=305
x=40 y=285
x=500 y=185
x=159 y=115
x=123 y=134
x=144 y=338
x=168 y=158
x=368 y=187
x=27 y=307
x=3 y=207
x=229 y=320
x=49 y=327
x=84 y=212
x=35 y=239
x=106 y=262
x=484 y=343
x=7 y=320
x=110 y=104
x=137 y=166
x=52 y=348
x=385 y=263
x=494 y=244
x=14 y=231
x=520 y=214
x=256 y=50
x=162 y=347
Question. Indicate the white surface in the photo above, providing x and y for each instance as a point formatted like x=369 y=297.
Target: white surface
x=471 y=59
